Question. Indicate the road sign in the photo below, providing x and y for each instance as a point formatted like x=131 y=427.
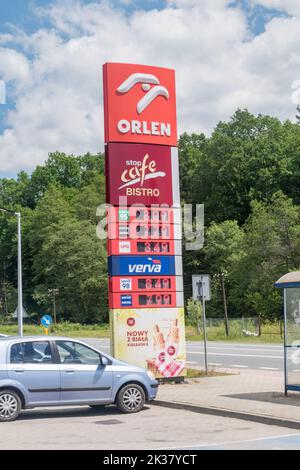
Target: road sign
x=201 y=287
x=46 y=321
x=24 y=313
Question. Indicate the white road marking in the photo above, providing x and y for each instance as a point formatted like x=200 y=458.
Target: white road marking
x=269 y=368
x=215 y=363
x=236 y=355
x=258 y=439
x=279 y=349
x=239 y=366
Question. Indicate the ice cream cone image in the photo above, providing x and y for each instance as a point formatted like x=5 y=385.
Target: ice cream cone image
x=172 y=341
x=159 y=344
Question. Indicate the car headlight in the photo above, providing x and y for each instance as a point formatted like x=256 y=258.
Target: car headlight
x=150 y=375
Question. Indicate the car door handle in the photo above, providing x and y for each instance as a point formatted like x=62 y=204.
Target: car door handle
x=19 y=371
x=70 y=371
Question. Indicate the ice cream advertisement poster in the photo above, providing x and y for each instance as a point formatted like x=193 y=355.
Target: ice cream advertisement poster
x=151 y=338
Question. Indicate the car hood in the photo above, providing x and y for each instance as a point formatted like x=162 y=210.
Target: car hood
x=132 y=367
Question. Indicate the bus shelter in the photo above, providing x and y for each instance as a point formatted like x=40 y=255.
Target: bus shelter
x=290 y=283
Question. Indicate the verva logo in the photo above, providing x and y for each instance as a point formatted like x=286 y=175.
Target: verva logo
x=154 y=266
x=143 y=173
x=139 y=104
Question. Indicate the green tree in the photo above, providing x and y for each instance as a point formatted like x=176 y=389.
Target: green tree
x=74 y=261
x=194 y=311
x=223 y=249
x=246 y=158
x=272 y=248
x=191 y=149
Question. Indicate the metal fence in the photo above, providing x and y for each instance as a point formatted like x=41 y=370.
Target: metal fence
x=245 y=326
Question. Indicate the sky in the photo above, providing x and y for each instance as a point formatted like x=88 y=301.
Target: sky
x=226 y=53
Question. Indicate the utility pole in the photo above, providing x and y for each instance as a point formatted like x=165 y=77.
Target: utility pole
x=20 y=284
x=202 y=293
x=20 y=288
x=54 y=293
x=202 y=297
x=224 y=303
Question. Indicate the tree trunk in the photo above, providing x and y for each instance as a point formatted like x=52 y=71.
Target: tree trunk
x=224 y=304
x=259 y=325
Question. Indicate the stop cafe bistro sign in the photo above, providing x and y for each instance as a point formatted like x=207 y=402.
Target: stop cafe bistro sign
x=145 y=174
x=139 y=104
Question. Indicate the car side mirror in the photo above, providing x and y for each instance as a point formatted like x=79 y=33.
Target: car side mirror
x=104 y=361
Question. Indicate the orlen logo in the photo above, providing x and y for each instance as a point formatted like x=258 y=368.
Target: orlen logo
x=153 y=267
x=152 y=93
x=140 y=105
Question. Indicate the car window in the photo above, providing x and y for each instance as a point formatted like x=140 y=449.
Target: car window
x=31 y=352
x=71 y=352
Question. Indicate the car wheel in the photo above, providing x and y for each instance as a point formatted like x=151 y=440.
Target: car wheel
x=131 y=398
x=10 y=405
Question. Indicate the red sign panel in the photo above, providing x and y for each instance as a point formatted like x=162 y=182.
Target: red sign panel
x=145 y=283
x=139 y=104
x=140 y=247
x=145 y=300
x=142 y=173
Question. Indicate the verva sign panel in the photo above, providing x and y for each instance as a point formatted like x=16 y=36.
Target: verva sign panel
x=145 y=265
x=143 y=173
x=139 y=104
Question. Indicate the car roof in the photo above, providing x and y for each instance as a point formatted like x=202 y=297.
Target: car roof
x=36 y=338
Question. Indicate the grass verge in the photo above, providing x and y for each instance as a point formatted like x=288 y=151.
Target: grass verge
x=198 y=373
x=61 y=329
x=214 y=333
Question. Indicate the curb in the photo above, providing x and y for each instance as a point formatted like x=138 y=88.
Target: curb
x=209 y=410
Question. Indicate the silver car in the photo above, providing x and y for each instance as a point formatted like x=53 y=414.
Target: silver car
x=51 y=371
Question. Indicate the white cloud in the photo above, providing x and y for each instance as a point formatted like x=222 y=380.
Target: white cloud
x=219 y=65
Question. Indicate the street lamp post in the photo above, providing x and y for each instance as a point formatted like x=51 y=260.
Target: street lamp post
x=20 y=289
x=54 y=293
x=20 y=284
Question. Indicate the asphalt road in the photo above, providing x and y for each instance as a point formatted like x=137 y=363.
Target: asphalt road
x=225 y=355
x=155 y=427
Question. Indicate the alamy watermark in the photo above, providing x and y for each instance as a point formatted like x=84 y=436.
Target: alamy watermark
x=153 y=223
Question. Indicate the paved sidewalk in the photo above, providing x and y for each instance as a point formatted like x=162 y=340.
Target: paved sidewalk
x=254 y=395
